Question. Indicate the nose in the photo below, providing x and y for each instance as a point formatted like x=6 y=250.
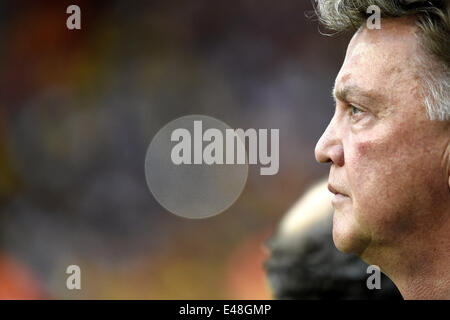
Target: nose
x=329 y=148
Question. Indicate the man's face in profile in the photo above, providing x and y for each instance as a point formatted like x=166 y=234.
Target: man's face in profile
x=388 y=160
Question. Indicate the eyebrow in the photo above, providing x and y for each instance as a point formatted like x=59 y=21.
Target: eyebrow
x=345 y=92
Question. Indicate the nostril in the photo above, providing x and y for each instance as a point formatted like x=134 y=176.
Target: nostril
x=337 y=155
x=326 y=153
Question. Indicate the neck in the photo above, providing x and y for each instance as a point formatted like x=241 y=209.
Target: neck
x=419 y=265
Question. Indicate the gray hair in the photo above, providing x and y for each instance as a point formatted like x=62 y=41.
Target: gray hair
x=433 y=21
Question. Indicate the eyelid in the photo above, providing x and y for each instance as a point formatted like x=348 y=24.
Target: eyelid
x=357 y=106
x=355 y=116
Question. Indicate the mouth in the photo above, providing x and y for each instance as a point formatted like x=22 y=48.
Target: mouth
x=335 y=191
x=339 y=195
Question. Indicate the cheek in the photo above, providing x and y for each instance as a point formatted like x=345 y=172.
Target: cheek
x=368 y=164
x=388 y=176
x=379 y=156
x=374 y=175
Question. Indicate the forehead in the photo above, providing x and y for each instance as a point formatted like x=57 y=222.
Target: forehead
x=379 y=59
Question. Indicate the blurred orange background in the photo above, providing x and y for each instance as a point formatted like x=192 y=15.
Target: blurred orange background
x=78 y=109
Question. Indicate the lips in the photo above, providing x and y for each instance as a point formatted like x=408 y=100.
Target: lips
x=335 y=190
x=340 y=198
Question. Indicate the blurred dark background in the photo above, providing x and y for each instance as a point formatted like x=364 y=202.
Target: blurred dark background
x=78 y=109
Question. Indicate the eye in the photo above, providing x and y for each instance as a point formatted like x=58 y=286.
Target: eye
x=354 y=109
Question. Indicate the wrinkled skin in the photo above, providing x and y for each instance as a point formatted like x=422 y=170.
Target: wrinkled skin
x=389 y=163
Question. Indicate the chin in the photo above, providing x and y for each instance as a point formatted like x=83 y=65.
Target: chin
x=346 y=235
